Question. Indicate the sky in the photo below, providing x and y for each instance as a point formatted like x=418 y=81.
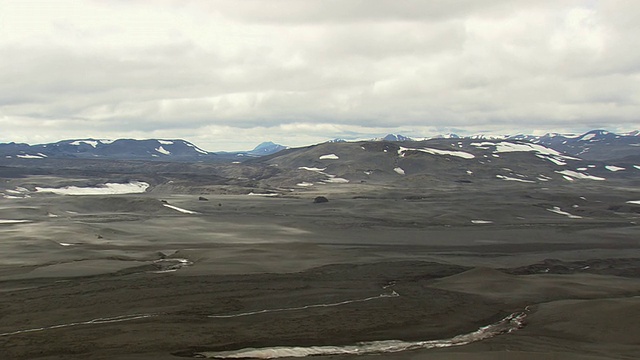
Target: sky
x=227 y=75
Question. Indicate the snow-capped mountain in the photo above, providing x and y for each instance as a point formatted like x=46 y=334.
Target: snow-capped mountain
x=594 y=144
x=598 y=145
x=107 y=149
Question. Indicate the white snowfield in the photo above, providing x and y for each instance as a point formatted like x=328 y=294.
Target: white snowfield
x=331 y=179
x=588 y=137
x=506 y=147
x=165 y=142
x=507 y=178
x=263 y=194
x=483 y=145
x=185 y=211
x=18 y=191
x=482 y=221
x=614 y=168
x=133 y=187
x=312 y=168
x=635 y=202
x=553 y=160
x=197 y=149
x=329 y=157
x=557 y=210
x=93 y=143
x=637 y=166
x=542 y=152
x=29 y=156
x=335 y=180
x=304 y=184
x=578 y=175
x=5 y=221
x=399 y=170
x=460 y=154
x=162 y=150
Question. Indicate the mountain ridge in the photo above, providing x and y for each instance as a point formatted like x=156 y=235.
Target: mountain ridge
x=592 y=145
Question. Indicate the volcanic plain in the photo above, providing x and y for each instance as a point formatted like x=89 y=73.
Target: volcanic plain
x=190 y=260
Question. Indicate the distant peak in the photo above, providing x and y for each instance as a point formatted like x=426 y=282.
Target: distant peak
x=395 y=137
x=447 y=136
x=266 y=148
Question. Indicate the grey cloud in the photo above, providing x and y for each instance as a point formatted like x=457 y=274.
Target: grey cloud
x=252 y=65
x=340 y=11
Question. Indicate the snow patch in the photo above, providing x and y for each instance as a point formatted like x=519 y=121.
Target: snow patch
x=614 y=168
x=635 y=202
x=557 y=210
x=165 y=142
x=588 y=137
x=3 y=221
x=578 y=175
x=483 y=145
x=331 y=178
x=304 y=184
x=556 y=161
x=198 y=149
x=507 y=178
x=335 y=180
x=312 y=168
x=92 y=143
x=263 y=194
x=482 y=221
x=329 y=157
x=399 y=170
x=133 y=187
x=185 y=211
x=461 y=154
x=162 y=150
x=28 y=156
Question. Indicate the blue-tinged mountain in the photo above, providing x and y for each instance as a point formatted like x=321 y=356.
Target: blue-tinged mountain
x=266 y=148
x=600 y=145
x=263 y=149
x=394 y=137
x=130 y=149
x=124 y=149
x=594 y=145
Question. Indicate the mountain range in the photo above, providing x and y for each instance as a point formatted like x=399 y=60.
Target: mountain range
x=600 y=145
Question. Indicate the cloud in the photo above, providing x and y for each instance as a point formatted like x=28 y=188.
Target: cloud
x=289 y=70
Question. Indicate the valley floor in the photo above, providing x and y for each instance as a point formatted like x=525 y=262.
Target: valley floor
x=127 y=277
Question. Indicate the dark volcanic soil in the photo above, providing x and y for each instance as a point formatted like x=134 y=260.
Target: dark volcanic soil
x=128 y=277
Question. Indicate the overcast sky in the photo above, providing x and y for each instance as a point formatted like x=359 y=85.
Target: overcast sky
x=227 y=75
